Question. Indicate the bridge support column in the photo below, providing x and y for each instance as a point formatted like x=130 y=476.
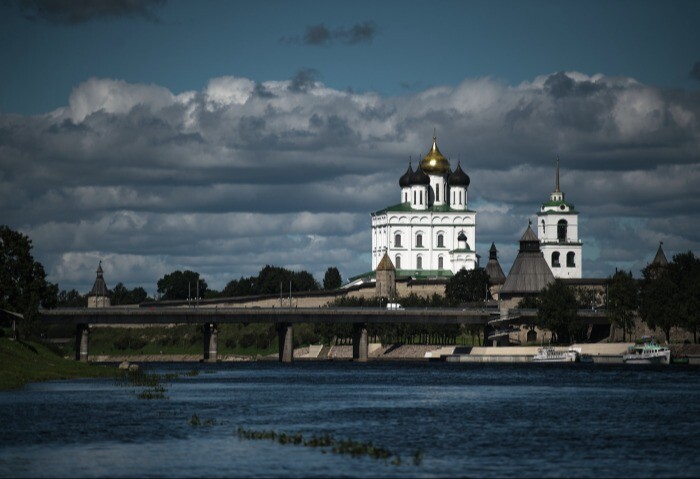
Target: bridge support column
x=360 y=343
x=285 y=335
x=211 y=342
x=82 y=331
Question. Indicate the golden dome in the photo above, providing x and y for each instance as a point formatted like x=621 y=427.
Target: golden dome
x=434 y=163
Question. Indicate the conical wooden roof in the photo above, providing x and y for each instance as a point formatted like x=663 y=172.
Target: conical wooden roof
x=493 y=267
x=660 y=258
x=99 y=288
x=530 y=272
x=385 y=264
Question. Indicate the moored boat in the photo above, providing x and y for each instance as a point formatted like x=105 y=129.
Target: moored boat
x=679 y=359
x=547 y=354
x=647 y=351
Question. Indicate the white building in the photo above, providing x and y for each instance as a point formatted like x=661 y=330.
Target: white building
x=431 y=232
x=557 y=230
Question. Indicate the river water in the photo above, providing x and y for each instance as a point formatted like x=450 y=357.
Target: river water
x=485 y=420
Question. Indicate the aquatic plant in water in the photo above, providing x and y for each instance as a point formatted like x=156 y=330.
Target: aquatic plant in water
x=335 y=446
x=154 y=387
x=157 y=392
x=195 y=421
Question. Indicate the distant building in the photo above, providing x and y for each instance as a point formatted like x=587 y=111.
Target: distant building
x=431 y=233
x=495 y=272
x=98 y=297
x=529 y=273
x=660 y=257
x=557 y=229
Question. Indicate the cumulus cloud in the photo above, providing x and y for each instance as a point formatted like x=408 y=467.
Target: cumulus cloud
x=73 y=12
x=321 y=35
x=242 y=173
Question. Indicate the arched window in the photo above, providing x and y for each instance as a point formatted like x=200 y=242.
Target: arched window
x=398 y=262
x=531 y=336
x=419 y=240
x=460 y=197
x=437 y=192
x=440 y=263
x=414 y=197
x=570 y=259
x=419 y=262
x=561 y=230
x=543 y=228
x=555 y=259
x=397 y=240
x=421 y=196
x=440 y=241
x=405 y=197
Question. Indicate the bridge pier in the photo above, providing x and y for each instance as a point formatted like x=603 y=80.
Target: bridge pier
x=360 y=343
x=82 y=331
x=285 y=336
x=211 y=342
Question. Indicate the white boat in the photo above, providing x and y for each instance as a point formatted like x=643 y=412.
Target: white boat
x=547 y=354
x=647 y=351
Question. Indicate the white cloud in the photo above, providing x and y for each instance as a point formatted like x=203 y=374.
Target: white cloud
x=239 y=175
x=114 y=96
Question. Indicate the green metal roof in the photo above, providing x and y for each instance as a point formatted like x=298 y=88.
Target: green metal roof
x=406 y=207
x=413 y=273
x=556 y=204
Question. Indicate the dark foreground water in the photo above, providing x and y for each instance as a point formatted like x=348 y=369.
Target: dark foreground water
x=466 y=419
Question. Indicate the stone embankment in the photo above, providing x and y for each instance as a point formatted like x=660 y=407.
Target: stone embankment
x=600 y=352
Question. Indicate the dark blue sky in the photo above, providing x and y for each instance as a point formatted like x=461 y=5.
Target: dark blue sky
x=414 y=44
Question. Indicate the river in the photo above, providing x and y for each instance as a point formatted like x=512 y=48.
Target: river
x=441 y=419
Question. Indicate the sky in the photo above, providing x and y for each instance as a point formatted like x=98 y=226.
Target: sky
x=222 y=136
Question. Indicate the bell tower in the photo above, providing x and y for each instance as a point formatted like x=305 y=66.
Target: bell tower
x=557 y=230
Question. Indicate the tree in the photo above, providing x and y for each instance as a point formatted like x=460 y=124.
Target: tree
x=467 y=286
x=622 y=301
x=123 y=295
x=331 y=280
x=684 y=271
x=304 y=281
x=529 y=302
x=181 y=285
x=557 y=311
x=239 y=287
x=23 y=285
x=71 y=299
x=269 y=281
x=657 y=306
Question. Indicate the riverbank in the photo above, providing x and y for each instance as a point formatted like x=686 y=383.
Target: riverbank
x=23 y=362
x=599 y=352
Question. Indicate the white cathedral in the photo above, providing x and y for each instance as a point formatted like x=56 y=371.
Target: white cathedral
x=431 y=232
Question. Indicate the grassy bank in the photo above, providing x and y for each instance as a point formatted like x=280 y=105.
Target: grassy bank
x=234 y=339
x=23 y=362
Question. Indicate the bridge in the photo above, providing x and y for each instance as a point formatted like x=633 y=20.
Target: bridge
x=284 y=320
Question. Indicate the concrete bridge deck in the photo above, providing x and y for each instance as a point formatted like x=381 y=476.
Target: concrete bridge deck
x=116 y=315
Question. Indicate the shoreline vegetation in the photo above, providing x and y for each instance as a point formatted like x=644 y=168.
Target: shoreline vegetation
x=23 y=362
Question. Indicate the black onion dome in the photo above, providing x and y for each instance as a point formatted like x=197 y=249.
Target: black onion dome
x=462 y=236
x=405 y=180
x=458 y=177
x=419 y=177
